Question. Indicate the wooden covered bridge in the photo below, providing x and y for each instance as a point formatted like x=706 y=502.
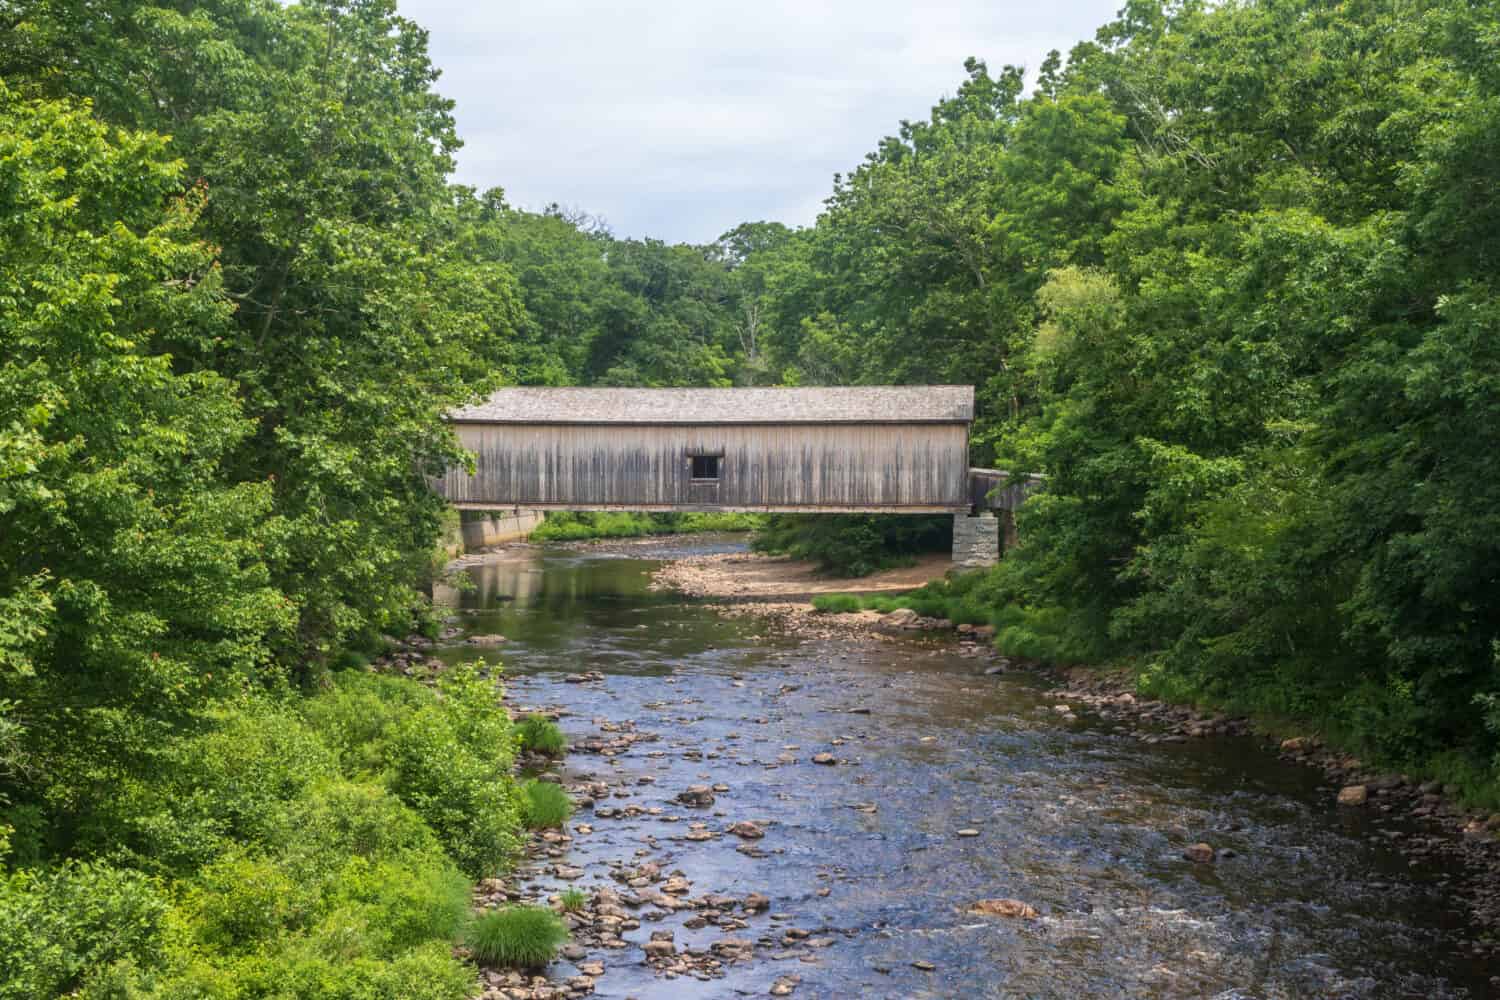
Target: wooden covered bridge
x=858 y=449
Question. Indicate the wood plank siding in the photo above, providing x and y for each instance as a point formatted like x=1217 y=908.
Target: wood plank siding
x=858 y=451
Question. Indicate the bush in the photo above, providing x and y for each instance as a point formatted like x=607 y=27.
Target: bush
x=539 y=734
x=356 y=715
x=545 y=805
x=348 y=819
x=522 y=937
x=462 y=795
x=66 y=927
x=325 y=969
x=837 y=604
x=222 y=787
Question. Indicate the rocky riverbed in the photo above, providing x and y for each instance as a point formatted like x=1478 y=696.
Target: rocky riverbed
x=780 y=804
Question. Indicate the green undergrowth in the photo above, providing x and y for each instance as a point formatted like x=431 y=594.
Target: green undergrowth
x=545 y=805
x=521 y=937
x=539 y=734
x=294 y=846
x=570 y=526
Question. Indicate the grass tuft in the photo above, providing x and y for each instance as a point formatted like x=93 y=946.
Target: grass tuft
x=517 y=937
x=837 y=604
x=539 y=734
x=573 y=900
x=545 y=805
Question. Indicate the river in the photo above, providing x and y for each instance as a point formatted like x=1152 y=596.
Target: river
x=1078 y=818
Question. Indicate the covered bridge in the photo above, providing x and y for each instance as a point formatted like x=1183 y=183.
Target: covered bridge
x=856 y=449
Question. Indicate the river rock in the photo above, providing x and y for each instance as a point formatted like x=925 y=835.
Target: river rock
x=784 y=986
x=1012 y=908
x=733 y=949
x=1354 y=795
x=755 y=902
x=824 y=758
x=1299 y=744
x=485 y=640
x=748 y=830
x=1201 y=853
x=900 y=618
x=696 y=795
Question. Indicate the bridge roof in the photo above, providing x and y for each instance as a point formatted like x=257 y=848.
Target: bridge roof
x=872 y=404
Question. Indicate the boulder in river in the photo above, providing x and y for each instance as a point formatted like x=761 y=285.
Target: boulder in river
x=748 y=830
x=1201 y=853
x=1012 y=908
x=1354 y=795
x=486 y=640
x=900 y=618
x=696 y=795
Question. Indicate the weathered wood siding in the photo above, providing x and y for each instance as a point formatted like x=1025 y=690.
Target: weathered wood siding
x=785 y=466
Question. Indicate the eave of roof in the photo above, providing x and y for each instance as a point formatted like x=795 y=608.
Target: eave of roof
x=911 y=404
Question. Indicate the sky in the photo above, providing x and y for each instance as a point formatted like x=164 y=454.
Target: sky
x=680 y=120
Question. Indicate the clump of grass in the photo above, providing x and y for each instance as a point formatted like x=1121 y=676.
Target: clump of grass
x=518 y=937
x=539 y=734
x=545 y=805
x=573 y=900
x=837 y=604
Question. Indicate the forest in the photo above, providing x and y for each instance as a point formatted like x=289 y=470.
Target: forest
x=1227 y=274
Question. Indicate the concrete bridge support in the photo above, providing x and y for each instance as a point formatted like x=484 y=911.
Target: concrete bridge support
x=976 y=540
x=481 y=529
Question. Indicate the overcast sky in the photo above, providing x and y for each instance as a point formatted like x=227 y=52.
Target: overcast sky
x=680 y=120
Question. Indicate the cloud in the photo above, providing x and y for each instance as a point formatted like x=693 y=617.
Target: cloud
x=680 y=120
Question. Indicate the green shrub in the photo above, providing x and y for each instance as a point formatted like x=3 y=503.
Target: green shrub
x=350 y=659
x=545 y=805
x=460 y=793
x=837 y=603
x=346 y=819
x=573 y=900
x=539 y=734
x=77 y=924
x=356 y=716
x=239 y=902
x=221 y=788
x=522 y=937
x=327 y=969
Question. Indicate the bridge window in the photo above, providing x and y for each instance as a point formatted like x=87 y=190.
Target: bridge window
x=706 y=467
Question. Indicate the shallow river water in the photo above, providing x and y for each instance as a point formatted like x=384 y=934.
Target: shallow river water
x=1080 y=819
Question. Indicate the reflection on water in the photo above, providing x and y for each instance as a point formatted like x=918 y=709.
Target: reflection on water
x=1080 y=819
